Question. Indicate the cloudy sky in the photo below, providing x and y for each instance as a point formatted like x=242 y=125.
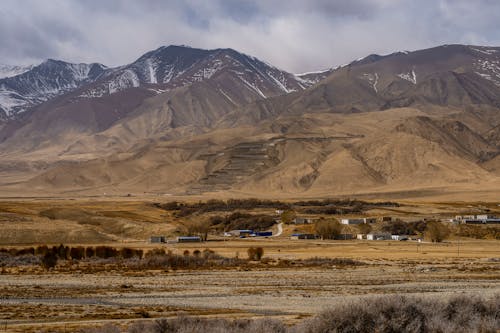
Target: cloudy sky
x=296 y=35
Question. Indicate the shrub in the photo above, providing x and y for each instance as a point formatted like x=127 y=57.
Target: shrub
x=127 y=253
x=288 y=216
x=436 y=231
x=106 y=252
x=77 y=253
x=255 y=253
x=63 y=252
x=41 y=250
x=49 y=260
x=89 y=252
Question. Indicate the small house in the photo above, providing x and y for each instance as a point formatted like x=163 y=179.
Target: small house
x=364 y=220
x=381 y=236
x=361 y=236
x=352 y=221
x=301 y=220
x=157 y=239
x=484 y=217
x=188 y=239
x=303 y=236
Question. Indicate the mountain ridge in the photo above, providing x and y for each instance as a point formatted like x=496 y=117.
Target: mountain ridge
x=226 y=122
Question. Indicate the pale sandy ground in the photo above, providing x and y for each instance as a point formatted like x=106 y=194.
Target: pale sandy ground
x=29 y=301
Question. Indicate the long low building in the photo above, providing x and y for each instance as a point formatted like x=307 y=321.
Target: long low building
x=188 y=239
x=303 y=236
x=381 y=236
x=477 y=219
x=364 y=220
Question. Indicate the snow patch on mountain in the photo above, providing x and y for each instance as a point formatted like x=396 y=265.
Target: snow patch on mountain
x=125 y=80
x=43 y=82
x=488 y=69
x=253 y=87
x=410 y=76
x=372 y=78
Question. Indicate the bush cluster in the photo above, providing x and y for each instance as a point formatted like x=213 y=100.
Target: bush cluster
x=383 y=314
x=239 y=221
x=478 y=231
x=49 y=256
x=399 y=227
x=327 y=206
x=161 y=259
x=255 y=253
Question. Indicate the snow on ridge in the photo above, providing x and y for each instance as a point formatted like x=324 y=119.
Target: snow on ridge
x=314 y=72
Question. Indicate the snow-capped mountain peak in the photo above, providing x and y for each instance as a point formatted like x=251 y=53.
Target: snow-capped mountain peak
x=12 y=70
x=43 y=82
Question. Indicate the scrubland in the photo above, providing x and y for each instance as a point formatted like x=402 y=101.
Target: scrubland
x=121 y=282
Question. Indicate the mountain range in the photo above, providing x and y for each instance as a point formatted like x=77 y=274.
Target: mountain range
x=182 y=120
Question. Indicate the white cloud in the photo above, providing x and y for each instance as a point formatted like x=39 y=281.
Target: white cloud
x=295 y=35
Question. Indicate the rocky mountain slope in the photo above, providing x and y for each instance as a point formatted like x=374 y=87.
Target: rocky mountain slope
x=33 y=86
x=188 y=121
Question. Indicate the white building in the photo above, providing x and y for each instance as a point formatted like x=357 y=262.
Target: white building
x=399 y=237
x=381 y=236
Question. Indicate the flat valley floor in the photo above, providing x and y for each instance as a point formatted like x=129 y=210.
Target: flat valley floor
x=67 y=299
x=72 y=296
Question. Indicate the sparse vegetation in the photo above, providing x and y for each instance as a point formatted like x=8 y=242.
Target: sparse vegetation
x=239 y=221
x=408 y=314
x=478 y=231
x=436 y=231
x=399 y=227
x=384 y=314
x=327 y=206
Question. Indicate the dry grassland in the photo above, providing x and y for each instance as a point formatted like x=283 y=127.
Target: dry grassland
x=72 y=296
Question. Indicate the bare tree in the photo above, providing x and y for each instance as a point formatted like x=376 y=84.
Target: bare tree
x=436 y=232
x=328 y=229
x=288 y=216
x=198 y=228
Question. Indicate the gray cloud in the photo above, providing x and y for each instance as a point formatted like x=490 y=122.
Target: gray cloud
x=295 y=35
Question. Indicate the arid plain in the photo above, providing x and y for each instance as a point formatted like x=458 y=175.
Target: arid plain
x=294 y=280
